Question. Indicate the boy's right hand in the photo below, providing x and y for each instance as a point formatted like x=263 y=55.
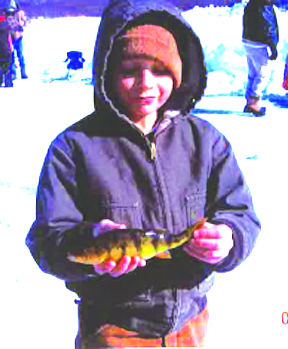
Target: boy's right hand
x=126 y=264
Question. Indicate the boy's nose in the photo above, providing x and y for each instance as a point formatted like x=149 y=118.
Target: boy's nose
x=146 y=78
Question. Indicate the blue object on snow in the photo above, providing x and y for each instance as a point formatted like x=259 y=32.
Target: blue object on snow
x=75 y=60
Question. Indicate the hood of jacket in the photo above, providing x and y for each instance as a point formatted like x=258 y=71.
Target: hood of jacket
x=121 y=14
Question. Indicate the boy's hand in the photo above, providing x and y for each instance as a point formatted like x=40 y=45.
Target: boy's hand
x=124 y=265
x=211 y=243
x=274 y=54
x=105 y=225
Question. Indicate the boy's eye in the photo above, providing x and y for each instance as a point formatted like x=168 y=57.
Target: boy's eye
x=126 y=72
x=129 y=71
x=160 y=71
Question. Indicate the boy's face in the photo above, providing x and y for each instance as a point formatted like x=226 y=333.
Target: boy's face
x=143 y=86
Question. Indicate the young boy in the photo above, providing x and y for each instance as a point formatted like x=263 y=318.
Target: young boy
x=142 y=161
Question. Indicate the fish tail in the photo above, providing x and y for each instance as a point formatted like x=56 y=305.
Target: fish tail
x=187 y=234
x=195 y=226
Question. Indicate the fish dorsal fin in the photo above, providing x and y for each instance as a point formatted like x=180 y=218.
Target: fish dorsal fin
x=156 y=232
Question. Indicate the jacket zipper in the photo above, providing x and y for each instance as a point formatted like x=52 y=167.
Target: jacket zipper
x=153 y=150
x=151 y=145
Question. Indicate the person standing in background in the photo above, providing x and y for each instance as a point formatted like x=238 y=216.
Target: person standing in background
x=285 y=78
x=5 y=51
x=260 y=35
x=17 y=21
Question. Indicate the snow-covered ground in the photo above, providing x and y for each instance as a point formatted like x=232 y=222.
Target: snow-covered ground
x=246 y=305
x=47 y=41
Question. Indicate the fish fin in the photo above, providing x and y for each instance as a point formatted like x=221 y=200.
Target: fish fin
x=199 y=224
x=71 y=258
x=196 y=226
x=164 y=255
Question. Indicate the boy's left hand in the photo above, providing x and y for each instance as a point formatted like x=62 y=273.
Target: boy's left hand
x=211 y=243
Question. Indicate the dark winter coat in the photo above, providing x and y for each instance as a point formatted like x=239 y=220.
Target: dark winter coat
x=260 y=23
x=103 y=167
x=5 y=43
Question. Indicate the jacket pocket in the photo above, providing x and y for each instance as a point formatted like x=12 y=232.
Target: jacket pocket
x=123 y=212
x=195 y=207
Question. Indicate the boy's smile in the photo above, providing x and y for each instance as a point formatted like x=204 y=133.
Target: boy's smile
x=143 y=86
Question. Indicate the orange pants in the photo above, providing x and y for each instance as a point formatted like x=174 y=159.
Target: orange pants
x=192 y=334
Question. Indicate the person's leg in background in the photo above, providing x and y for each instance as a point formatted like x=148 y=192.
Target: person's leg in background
x=5 y=74
x=18 y=48
x=258 y=76
x=13 y=68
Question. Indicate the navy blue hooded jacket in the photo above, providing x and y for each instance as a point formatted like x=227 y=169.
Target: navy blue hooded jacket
x=103 y=167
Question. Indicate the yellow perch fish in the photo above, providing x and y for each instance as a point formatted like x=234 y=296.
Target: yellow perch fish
x=132 y=242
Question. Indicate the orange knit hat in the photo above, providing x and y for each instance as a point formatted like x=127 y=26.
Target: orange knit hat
x=156 y=42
